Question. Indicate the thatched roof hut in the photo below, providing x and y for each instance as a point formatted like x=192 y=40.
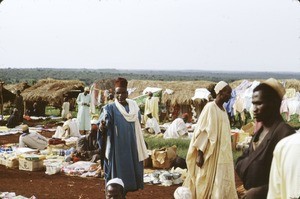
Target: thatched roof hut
x=7 y=96
x=52 y=91
x=183 y=90
x=14 y=87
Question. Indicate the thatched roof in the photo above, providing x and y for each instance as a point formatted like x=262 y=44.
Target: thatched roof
x=14 y=87
x=293 y=83
x=51 y=91
x=8 y=96
x=105 y=84
x=183 y=90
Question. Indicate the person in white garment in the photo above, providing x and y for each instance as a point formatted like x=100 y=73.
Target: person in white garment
x=152 y=124
x=68 y=129
x=65 y=108
x=151 y=106
x=209 y=158
x=32 y=139
x=177 y=128
x=284 y=181
x=83 y=116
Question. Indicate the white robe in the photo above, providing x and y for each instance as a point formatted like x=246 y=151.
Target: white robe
x=176 y=129
x=153 y=125
x=83 y=115
x=285 y=170
x=69 y=129
x=65 y=109
x=212 y=136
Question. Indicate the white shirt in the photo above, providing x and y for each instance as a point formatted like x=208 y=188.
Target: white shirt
x=284 y=179
x=153 y=124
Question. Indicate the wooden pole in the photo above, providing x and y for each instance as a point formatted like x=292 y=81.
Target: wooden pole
x=1 y=96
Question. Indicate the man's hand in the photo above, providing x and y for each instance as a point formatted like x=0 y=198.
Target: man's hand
x=200 y=159
x=102 y=126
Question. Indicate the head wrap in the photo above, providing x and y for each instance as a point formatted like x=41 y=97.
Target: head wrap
x=276 y=86
x=220 y=86
x=182 y=193
x=115 y=181
x=121 y=82
x=86 y=88
x=24 y=127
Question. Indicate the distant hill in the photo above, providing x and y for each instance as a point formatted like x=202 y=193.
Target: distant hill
x=14 y=75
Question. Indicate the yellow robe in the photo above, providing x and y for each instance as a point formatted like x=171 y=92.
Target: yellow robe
x=212 y=136
x=151 y=106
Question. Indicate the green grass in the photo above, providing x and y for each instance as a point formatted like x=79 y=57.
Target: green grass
x=236 y=154
x=182 y=145
x=157 y=143
x=294 y=122
x=50 y=110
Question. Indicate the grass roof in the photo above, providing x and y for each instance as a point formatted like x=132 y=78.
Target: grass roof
x=51 y=91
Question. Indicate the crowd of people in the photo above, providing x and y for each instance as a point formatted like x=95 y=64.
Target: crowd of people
x=116 y=139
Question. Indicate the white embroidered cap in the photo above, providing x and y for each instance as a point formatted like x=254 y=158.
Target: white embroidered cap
x=220 y=85
x=182 y=193
x=115 y=181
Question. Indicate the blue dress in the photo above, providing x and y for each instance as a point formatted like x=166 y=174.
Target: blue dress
x=122 y=151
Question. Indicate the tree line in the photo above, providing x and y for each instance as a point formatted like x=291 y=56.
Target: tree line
x=88 y=76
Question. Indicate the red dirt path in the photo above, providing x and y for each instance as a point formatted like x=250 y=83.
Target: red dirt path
x=61 y=186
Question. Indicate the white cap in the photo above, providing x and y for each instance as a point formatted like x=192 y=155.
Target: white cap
x=86 y=88
x=115 y=181
x=220 y=86
x=182 y=193
x=94 y=121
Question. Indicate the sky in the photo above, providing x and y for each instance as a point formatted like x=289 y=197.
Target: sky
x=225 y=35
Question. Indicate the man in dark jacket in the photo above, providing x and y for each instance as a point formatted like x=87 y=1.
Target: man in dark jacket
x=87 y=148
x=253 y=167
x=19 y=103
x=13 y=119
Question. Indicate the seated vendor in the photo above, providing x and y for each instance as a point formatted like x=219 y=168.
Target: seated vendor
x=178 y=127
x=32 y=139
x=69 y=129
x=13 y=119
x=152 y=124
x=87 y=148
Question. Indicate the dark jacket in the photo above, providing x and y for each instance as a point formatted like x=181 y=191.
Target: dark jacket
x=253 y=167
x=89 y=147
x=13 y=121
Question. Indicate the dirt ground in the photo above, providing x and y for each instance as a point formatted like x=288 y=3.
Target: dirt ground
x=61 y=186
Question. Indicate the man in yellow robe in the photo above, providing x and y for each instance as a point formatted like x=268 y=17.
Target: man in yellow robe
x=151 y=106
x=209 y=158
